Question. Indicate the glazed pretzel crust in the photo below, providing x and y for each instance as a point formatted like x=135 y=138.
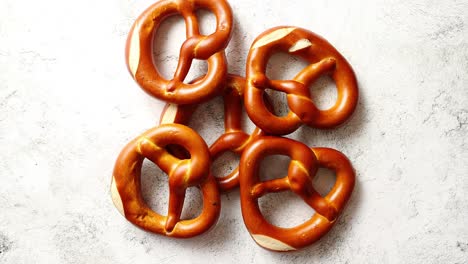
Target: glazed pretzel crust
x=302 y=169
x=234 y=139
x=139 y=50
x=183 y=173
x=183 y=155
x=323 y=59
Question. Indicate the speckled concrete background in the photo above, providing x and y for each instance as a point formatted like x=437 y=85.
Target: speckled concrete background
x=68 y=105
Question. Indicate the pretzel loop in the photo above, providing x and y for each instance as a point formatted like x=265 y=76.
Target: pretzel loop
x=139 y=51
x=302 y=168
x=323 y=59
x=183 y=173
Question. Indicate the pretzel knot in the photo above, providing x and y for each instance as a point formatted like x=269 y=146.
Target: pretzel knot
x=234 y=139
x=323 y=59
x=303 y=167
x=183 y=173
x=139 y=50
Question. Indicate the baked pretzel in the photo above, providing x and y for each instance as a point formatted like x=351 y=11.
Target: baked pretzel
x=183 y=173
x=139 y=50
x=323 y=59
x=234 y=139
x=303 y=167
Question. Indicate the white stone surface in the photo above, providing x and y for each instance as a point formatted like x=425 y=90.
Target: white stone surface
x=68 y=105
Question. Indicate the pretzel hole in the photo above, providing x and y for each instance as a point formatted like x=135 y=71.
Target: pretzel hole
x=279 y=102
x=324 y=181
x=284 y=209
x=193 y=204
x=225 y=164
x=323 y=92
x=274 y=167
x=198 y=68
x=155 y=192
x=165 y=52
x=178 y=151
x=208 y=120
x=247 y=125
x=154 y=187
x=284 y=66
x=206 y=21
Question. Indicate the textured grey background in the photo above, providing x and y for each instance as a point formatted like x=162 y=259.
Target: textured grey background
x=68 y=105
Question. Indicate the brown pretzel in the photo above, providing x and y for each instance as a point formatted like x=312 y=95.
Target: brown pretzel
x=303 y=167
x=126 y=191
x=324 y=59
x=234 y=139
x=139 y=51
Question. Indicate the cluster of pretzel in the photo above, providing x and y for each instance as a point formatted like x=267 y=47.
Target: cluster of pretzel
x=185 y=157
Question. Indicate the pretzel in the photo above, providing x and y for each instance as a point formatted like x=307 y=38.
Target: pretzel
x=139 y=50
x=323 y=59
x=303 y=167
x=183 y=173
x=234 y=139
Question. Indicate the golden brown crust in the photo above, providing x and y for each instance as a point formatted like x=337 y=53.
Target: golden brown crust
x=183 y=173
x=303 y=167
x=324 y=59
x=139 y=51
x=234 y=139
x=183 y=155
